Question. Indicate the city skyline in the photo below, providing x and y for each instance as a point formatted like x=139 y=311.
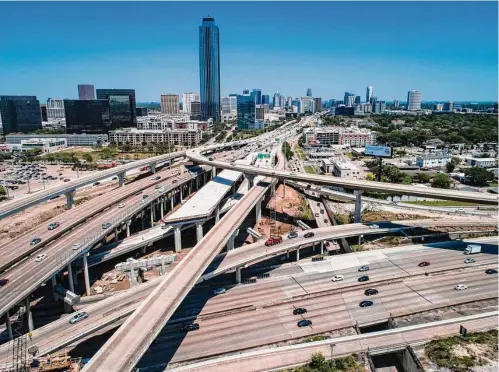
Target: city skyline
x=430 y=56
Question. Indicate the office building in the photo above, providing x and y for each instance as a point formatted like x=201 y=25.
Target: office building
x=87 y=116
x=357 y=100
x=306 y=105
x=20 y=114
x=448 y=106
x=352 y=136
x=86 y=91
x=482 y=162
x=379 y=107
x=121 y=106
x=340 y=166
x=317 y=104
x=344 y=110
x=433 y=160
x=169 y=104
x=55 y=108
x=309 y=92
x=171 y=137
x=46 y=145
x=187 y=98
x=43 y=109
x=196 y=110
x=71 y=139
x=369 y=93
x=349 y=99
x=265 y=99
x=289 y=102
x=141 y=111
x=413 y=100
x=438 y=107
x=209 y=70
x=257 y=93
x=245 y=111
x=396 y=103
x=229 y=104
x=296 y=104
x=277 y=103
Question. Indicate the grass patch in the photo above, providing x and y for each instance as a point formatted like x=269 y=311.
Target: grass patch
x=299 y=152
x=358 y=247
x=313 y=339
x=349 y=155
x=319 y=363
x=309 y=169
x=460 y=355
x=442 y=203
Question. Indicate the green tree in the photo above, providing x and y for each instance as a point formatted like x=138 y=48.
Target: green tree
x=477 y=176
x=450 y=166
x=441 y=181
x=370 y=177
x=423 y=177
x=3 y=192
x=88 y=157
x=317 y=360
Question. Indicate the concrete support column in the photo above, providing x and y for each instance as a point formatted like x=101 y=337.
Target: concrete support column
x=197 y=183
x=121 y=179
x=205 y=176
x=8 y=324
x=29 y=315
x=213 y=172
x=171 y=202
x=272 y=189
x=298 y=255
x=358 y=206
x=70 y=199
x=178 y=239
x=230 y=242
x=287 y=255
x=54 y=283
x=238 y=275
x=284 y=189
x=217 y=214
x=190 y=187
x=153 y=167
x=116 y=238
x=142 y=217
x=70 y=278
x=251 y=180
x=128 y=223
x=199 y=231
x=322 y=247
x=181 y=194
x=163 y=268
x=152 y=215
x=258 y=208
x=143 y=249
x=86 y=276
x=161 y=210
x=132 y=278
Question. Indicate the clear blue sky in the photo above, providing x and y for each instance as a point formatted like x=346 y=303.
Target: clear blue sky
x=448 y=50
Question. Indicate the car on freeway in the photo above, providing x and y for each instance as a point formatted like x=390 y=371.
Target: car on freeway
x=292 y=235
x=273 y=240
x=174 y=181
x=219 y=291
x=78 y=317
x=191 y=327
x=96 y=183
x=121 y=205
x=337 y=278
x=304 y=323
x=374 y=226
x=114 y=178
x=461 y=210
x=4 y=281
x=363 y=268
x=318 y=204
x=299 y=311
x=67 y=180
x=326 y=221
x=40 y=257
x=308 y=235
x=106 y=225
x=76 y=246
x=317 y=215
x=371 y=292
x=491 y=271
x=145 y=196
x=155 y=178
x=460 y=287
x=424 y=264
x=366 y=303
x=469 y=260
x=53 y=225
x=35 y=241
x=364 y=278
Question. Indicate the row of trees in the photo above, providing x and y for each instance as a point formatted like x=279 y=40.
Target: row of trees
x=286 y=149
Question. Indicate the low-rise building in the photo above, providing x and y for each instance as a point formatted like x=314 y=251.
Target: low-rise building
x=433 y=160
x=138 y=137
x=44 y=144
x=340 y=166
x=352 y=136
x=71 y=139
x=482 y=162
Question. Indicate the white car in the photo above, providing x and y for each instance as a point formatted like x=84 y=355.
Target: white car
x=337 y=278
x=461 y=210
x=460 y=287
x=40 y=257
x=469 y=260
x=121 y=205
x=373 y=226
x=75 y=246
x=219 y=291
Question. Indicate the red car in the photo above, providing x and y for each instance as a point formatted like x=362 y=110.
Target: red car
x=273 y=241
x=3 y=282
x=424 y=263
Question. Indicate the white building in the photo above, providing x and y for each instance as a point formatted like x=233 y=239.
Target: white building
x=433 y=160
x=306 y=104
x=340 y=166
x=369 y=93
x=71 y=139
x=352 y=136
x=229 y=105
x=55 y=109
x=165 y=122
x=413 y=100
x=482 y=162
x=169 y=103
x=187 y=99
x=173 y=137
x=44 y=144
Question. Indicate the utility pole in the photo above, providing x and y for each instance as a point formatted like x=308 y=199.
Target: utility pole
x=331 y=346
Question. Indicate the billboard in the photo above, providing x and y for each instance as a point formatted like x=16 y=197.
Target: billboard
x=380 y=151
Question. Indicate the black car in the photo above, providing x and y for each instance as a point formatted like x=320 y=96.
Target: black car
x=304 y=323
x=3 y=282
x=191 y=327
x=299 y=311
x=491 y=271
x=371 y=292
x=364 y=278
x=35 y=241
x=308 y=235
x=96 y=183
x=366 y=303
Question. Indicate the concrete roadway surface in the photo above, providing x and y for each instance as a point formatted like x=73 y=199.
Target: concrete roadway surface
x=29 y=275
x=283 y=357
x=389 y=266
x=125 y=348
x=20 y=247
x=322 y=219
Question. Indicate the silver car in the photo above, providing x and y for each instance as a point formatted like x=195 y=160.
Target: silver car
x=78 y=317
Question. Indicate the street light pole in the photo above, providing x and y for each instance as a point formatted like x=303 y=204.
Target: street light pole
x=331 y=346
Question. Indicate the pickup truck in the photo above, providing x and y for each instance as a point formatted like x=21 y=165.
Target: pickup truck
x=472 y=249
x=273 y=241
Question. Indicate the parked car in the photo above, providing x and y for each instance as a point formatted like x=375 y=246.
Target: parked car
x=191 y=327
x=76 y=246
x=299 y=311
x=304 y=323
x=53 y=225
x=273 y=240
x=308 y=235
x=364 y=268
x=371 y=292
x=364 y=278
x=337 y=278
x=40 y=257
x=460 y=287
x=106 y=225
x=366 y=303
x=78 y=317
x=219 y=291
x=292 y=235
x=469 y=260
x=423 y=264
x=35 y=241
x=491 y=271
x=4 y=281
x=373 y=226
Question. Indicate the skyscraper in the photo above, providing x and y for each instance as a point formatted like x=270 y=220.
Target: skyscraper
x=309 y=92
x=187 y=98
x=55 y=108
x=369 y=93
x=265 y=99
x=396 y=103
x=121 y=106
x=246 y=111
x=413 y=100
x=277 y=100
x=209 y=69
x=357 y=100
x=87 y=116
x=86 y=91
x=448 y=106
x=169 y=104
x=306 y=104
x=349 y=99
x=229 y=104
x=317 y=104
x=20 y=114
x=257 y=93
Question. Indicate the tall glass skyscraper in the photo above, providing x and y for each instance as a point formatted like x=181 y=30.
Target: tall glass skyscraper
x=209 y=70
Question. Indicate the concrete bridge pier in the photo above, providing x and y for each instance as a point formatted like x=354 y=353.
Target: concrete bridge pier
x=322 y=247
x=152 y=214
x=199 y=231
x=258 y=209
x=121 y=179
x=153 y=167
x=238 y=274
x=70 y=278
x=86 y=276
x=178 y=238
x=230 y=242
x=161 y=210
x=358 y=206
x=298 y=255
x=128 y=223
x=8 y=325
x=251 y=180
x=29 y=315
x=213 y=172
x=217 y=214
x=70 y=199
x=54 y=283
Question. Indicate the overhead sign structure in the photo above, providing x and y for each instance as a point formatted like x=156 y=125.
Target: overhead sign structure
x=379 y=151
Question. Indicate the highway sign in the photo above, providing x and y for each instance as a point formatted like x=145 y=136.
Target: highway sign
x=379 y=151
x=276 y=140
